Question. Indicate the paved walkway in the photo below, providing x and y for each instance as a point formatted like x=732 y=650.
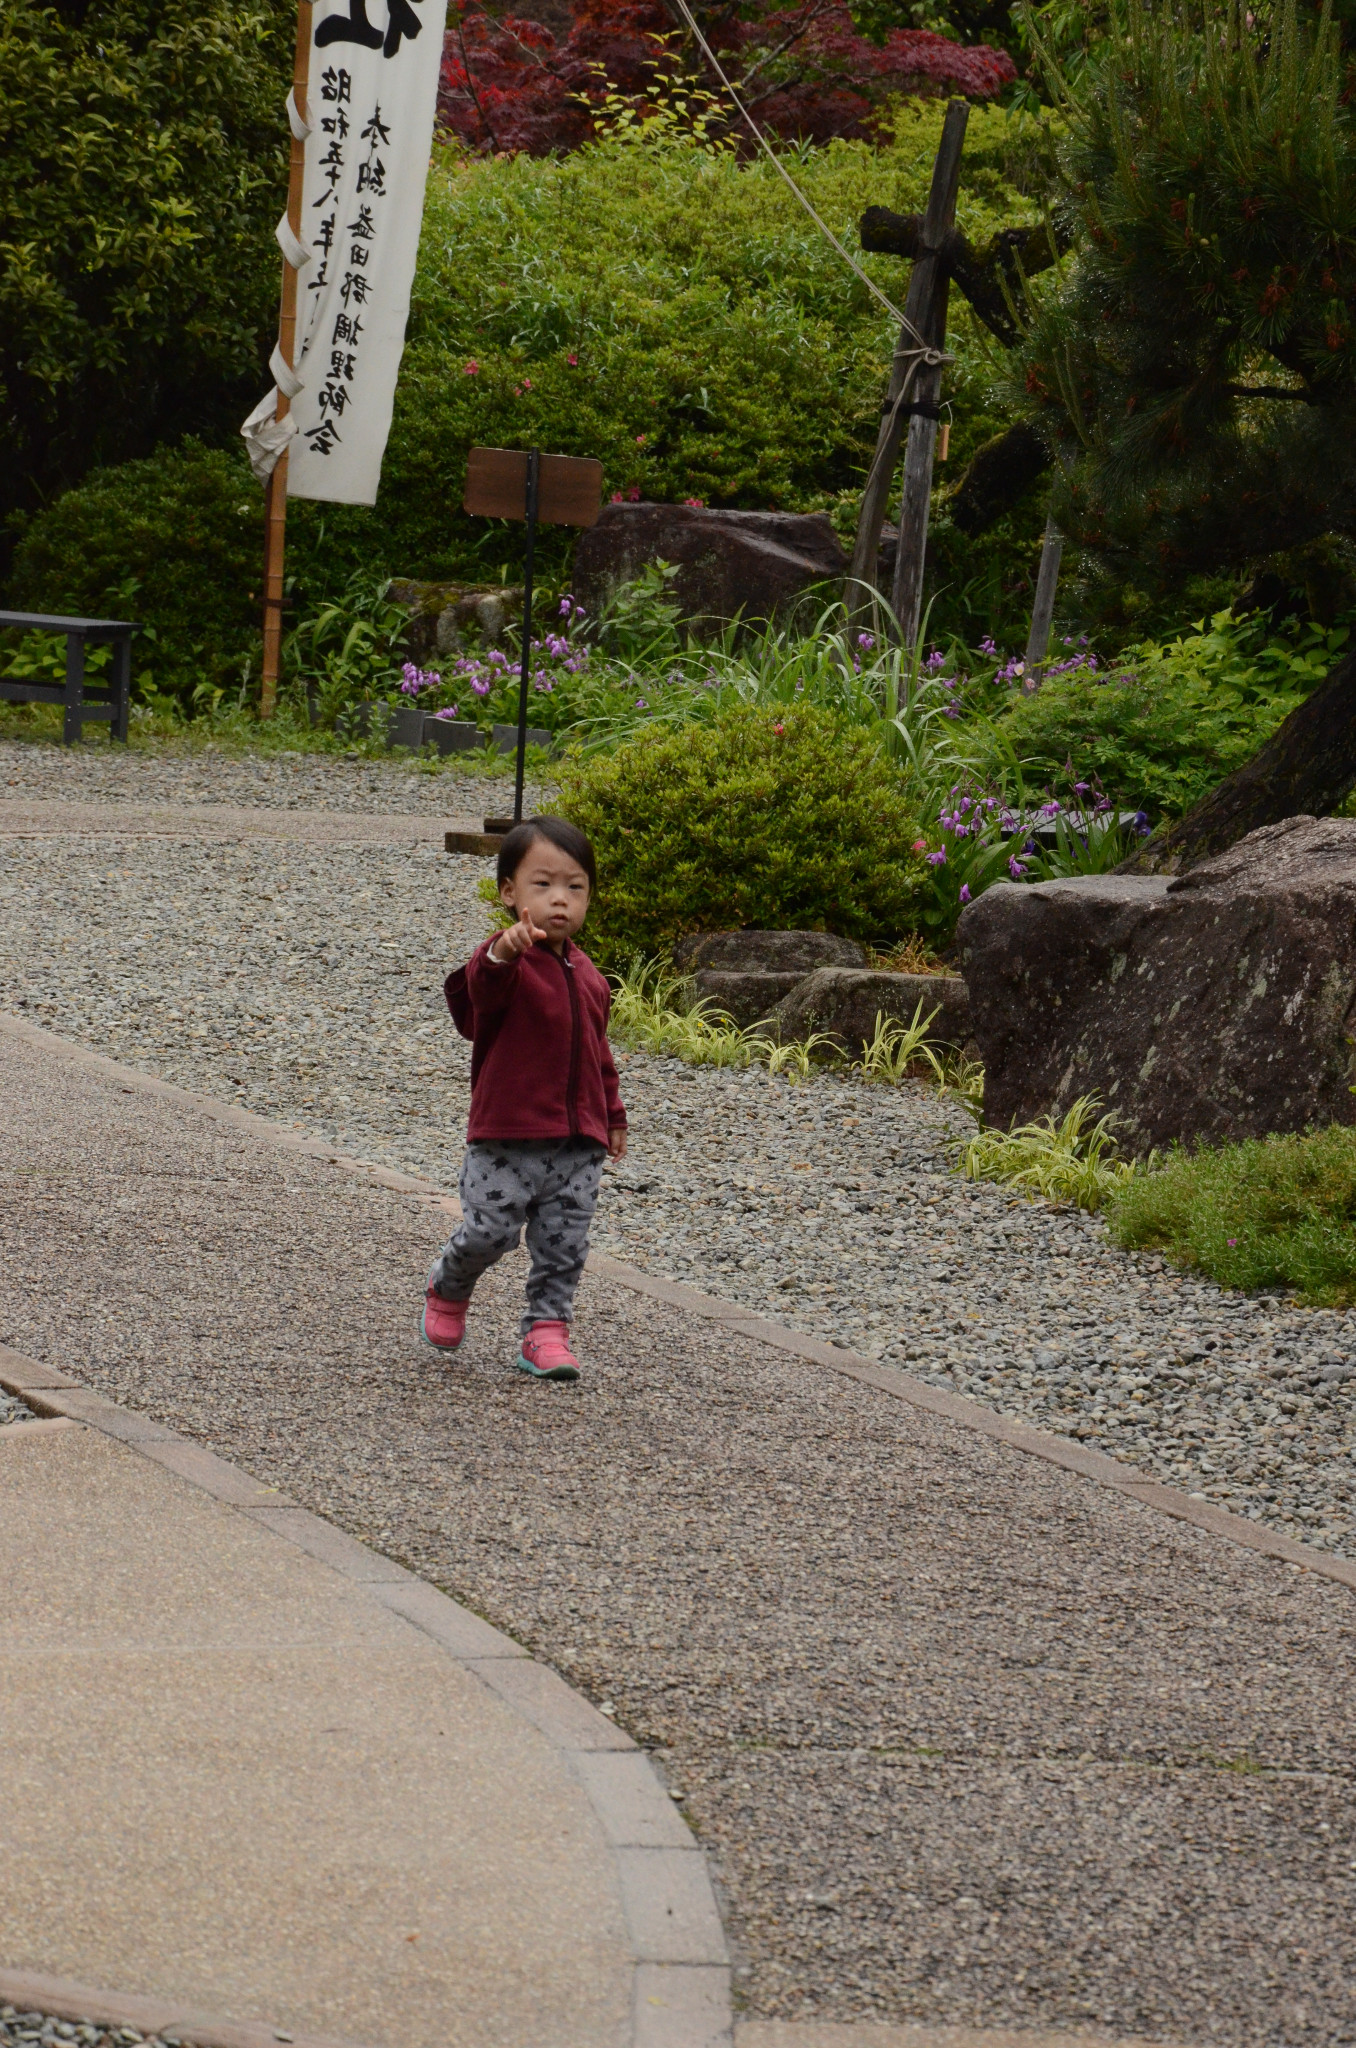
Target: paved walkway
x=971 y=1740
x=236 y=1781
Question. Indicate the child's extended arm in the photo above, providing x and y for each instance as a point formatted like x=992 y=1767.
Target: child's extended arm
x=616 y=1109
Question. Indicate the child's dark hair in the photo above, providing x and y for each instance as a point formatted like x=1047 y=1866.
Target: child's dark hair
x=519 y=842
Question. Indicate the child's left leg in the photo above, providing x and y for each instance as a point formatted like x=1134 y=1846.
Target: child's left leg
x=558 y=1232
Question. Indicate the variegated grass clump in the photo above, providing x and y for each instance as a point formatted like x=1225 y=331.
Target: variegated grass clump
x=1069 y=1160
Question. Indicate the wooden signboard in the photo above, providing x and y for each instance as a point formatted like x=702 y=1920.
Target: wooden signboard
x=569 y=487
x=522 y=483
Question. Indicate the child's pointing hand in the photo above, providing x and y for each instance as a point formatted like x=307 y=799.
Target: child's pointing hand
x=519 y=938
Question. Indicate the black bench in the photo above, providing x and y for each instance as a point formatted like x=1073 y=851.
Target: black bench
x=107 y=695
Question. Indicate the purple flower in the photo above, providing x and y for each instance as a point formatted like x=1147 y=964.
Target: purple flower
x=448 y=711
x=1015 y=868
x=866 y=639
x=642 y=704
x=965 y=892
x=986 y=645
x=938 y=859
x=935 y=660
x=481 y=689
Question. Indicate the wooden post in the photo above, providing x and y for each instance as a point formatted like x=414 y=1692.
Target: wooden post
x=941 y=213
x=1043 y=607
x=907 y=596
x=275 y=502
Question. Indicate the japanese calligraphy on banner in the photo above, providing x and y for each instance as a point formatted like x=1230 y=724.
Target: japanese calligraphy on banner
x=372 y=90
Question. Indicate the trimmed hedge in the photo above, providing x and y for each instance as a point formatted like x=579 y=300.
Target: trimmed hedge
x=786 y=820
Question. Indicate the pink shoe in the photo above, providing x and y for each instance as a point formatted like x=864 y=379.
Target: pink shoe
x=546 y=1353
x=443 y=1323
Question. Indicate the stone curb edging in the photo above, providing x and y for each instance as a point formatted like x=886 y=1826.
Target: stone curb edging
x=681 y=1988
x=1018 y=1436
x=66 y=2001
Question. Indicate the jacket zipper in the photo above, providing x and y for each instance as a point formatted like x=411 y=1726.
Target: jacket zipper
x=572 y=1086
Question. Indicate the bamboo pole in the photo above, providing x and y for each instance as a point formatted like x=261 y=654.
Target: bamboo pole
x=275 y=513
x=941 y=212
x=1043 y=609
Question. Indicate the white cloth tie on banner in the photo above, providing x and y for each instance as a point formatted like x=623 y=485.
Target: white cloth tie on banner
x=371 y=96
x=300 y=129
x=284 y=376
x=296 y=252
x=266 y=435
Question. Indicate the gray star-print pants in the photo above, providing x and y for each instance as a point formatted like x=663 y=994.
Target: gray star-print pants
x=550 y=1185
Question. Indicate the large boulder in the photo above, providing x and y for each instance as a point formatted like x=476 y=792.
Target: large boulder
x=844 y=1002
x=1219 y=1005
x=745 y=565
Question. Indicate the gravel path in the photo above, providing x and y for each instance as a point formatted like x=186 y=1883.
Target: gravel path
x=969 y=1739
x=13 y=1410
x=213 y=775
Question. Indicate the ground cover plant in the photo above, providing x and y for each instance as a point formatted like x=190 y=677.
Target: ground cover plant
x=1273 y=1213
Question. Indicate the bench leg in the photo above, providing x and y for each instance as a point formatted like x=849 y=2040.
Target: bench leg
x=120 y=676
x=75 y=687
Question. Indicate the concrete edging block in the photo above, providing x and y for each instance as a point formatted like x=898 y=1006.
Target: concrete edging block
x=628 y=1799
x=671 y=1907
x=30 y=1991
x=682 y=2005
x=542 y=1697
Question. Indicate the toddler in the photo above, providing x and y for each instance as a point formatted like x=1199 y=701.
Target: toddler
x=546 y=1108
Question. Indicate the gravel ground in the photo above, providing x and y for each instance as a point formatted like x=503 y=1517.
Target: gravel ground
x=40 y=2030
x=212 y=775
x=969 y=1739
x=305 y=983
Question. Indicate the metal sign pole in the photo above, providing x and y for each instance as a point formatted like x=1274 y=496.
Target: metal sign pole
x=533 y=483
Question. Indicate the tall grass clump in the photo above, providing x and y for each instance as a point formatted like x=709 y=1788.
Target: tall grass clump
x=1067 y=1159
x=1270 y=1213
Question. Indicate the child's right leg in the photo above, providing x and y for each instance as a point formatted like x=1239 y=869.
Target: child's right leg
x=496 y=1188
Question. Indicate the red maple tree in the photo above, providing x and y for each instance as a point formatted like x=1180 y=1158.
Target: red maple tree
x=514 y=85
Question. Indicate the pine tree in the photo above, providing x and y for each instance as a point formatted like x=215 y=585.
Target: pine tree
x=1196 y=363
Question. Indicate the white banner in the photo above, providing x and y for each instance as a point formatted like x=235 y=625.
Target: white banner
x=371 y=97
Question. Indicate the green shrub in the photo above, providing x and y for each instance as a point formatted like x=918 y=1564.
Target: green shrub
x=783 y=820
x=143 y=162
x=1169 y=720
x=176 y=543
x=1270 y=1213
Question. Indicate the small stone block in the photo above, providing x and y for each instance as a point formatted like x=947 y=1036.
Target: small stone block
x=542 y=1697
x=320 y=1539
x=109 y=1419
x=670 y=1907
x=18 y=1372
x=682 y=2005
x=464 y=1634
x=203 y=1468
x=482 y=843
x=635 y=1810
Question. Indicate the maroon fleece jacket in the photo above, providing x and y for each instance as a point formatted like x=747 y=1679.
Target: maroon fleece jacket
x=541 y=1066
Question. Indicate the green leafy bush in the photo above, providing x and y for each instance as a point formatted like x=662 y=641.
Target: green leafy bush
x=1271 y=1213
x=143 y=162
x=668 y=310
x=174 y=542
x=1169 y=720
x=789 y=820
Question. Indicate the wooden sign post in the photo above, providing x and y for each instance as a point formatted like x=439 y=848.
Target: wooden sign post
x=522 y=483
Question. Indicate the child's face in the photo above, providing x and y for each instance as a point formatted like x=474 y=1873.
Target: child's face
x=551 y=889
